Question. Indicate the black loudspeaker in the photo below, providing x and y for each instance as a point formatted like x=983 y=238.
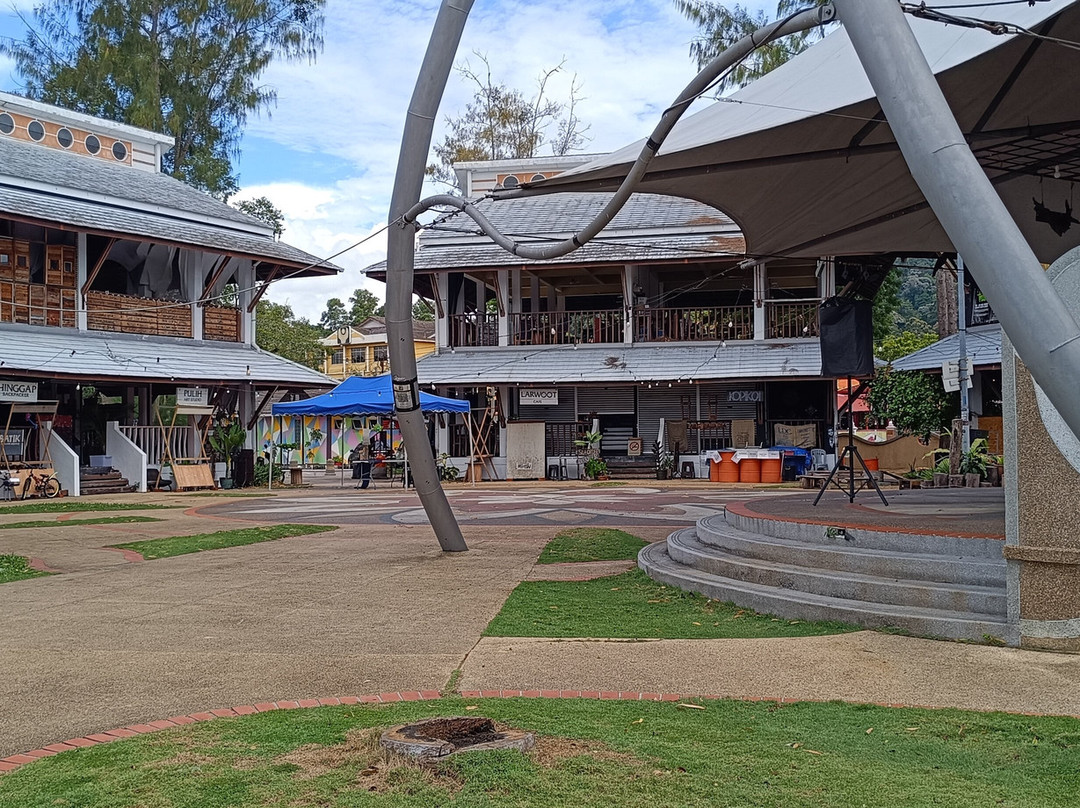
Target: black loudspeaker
x=847 y=337
x=244 y=468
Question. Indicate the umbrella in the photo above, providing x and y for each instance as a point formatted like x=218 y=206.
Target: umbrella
x=804 y=162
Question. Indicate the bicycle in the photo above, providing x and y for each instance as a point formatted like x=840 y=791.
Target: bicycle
x=40 y=485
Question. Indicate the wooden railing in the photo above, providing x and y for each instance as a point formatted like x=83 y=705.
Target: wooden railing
x=474 y=330
x=792 y=319
x=694 y=324
x=560 y=437
x=151 y=439
x=567 y=327
x=137 y=315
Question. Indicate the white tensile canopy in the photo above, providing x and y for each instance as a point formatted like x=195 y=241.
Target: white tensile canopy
x=803 y=161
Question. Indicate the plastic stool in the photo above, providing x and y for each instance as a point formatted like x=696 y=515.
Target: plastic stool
x=688 y=471
x=553 y=472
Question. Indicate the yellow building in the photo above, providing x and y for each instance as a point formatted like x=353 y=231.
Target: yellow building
x=361 y=350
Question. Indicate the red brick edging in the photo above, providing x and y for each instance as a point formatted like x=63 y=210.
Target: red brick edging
x=13 y=762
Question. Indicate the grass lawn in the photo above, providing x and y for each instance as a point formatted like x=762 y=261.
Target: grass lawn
x=180 y=545
x=633 y=606
x=102 y=520
x=589 y=753
x=68 y=506
x=16 y=568
x=591 y=544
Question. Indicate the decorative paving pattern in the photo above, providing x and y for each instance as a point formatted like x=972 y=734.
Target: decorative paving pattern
x=514 y=506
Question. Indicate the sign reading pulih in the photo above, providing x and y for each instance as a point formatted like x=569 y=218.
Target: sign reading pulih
x=18 y=391
x=199 y=396
x=538 y=396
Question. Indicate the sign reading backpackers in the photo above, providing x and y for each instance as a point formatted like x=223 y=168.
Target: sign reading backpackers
x=199 y=396
x=538 y=396
x=18 y=391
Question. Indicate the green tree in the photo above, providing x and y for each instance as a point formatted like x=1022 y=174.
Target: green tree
x=886 y=302
x=265 y=211
x=186 y=68
x=723 y=24
x=281 y=332
x=334 y=316
x=914 y=401
x=422 y=310
x=500 y=122
x=896 y=345
x=364 y=304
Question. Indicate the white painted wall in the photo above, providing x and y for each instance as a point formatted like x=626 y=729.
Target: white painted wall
x=127 y=457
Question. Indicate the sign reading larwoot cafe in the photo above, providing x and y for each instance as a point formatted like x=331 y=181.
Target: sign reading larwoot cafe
x=18 y=391
x=538 y=396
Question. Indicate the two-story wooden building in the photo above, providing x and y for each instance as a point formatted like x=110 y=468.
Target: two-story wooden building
x=660 y=319
x=361 y=349
x=120 y=284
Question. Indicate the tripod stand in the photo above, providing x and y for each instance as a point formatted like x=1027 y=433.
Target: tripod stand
x=851 y=452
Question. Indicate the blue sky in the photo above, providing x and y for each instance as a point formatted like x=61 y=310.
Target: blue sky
x=326 y=153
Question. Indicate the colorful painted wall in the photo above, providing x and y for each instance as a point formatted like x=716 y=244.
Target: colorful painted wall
x=339 y=435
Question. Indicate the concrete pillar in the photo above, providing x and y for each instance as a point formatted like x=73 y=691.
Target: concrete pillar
x=442 y=325
x=1042 y=498
x=628 y=304
x=761 y=293
x=504 y=307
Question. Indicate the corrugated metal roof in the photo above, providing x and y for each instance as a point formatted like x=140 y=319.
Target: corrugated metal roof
x=564 y=364
x=45 y=351
x=648 y=228
x=49 y=207
x=983 y=346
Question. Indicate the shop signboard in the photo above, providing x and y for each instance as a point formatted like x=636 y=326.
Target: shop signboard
x=538 y=396
x=198 y=396
x=15 y=443
x=11 y=390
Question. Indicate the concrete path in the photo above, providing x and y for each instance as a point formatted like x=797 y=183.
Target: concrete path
x=376 y=607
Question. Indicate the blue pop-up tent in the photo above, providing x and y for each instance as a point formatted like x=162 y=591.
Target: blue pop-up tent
x=364 y=395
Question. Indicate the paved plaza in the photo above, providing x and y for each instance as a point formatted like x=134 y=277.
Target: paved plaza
x=375 y=606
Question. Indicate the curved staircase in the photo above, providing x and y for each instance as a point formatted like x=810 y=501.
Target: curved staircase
x=928 y=585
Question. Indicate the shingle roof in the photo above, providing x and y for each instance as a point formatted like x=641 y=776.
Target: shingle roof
x=48 y=351
x=105 y=218
x=623 y=363
x=983 y=346
x=649 y=228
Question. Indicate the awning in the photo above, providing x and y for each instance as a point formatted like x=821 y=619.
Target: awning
x=803 y=162
x=364 y=395
x=82 y=356
x=604 y=364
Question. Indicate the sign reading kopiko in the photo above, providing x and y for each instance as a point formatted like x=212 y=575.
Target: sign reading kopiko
x=538 y=396
x=199 y=396
x=18 y=391
x=746 y=396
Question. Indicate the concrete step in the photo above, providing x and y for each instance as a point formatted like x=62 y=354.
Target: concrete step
x=843 y=556
x=793 y=604
x=685 y=548
x=858 y=537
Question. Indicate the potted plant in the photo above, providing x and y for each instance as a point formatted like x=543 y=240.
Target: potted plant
x=974 y=462
x=448 y=472
x=665 y=463
x=595 y=468
x=339 y=461
x=589 y=443
x=226 y=438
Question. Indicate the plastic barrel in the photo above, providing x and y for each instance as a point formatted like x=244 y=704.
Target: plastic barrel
x=871 y=463
x=772 y=471
x=714 y=471
x=728 y=471
x=749 y=470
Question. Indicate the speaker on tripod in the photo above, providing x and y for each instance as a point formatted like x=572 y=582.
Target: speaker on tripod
x=846 y=331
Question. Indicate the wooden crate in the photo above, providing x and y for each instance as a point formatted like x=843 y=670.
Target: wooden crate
x=54 y=264
x=7 y=259
x=70 y=267
x=22 y=314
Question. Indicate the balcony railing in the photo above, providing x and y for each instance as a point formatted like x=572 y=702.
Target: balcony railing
x=137 y=315
x=567 y=327
x=694 y=324
x=792 y=319
x=474 y=330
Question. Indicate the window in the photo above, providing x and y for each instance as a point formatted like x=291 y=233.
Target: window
x=119 y=151
x=510 y=182
x=64 y=137
x=36 y=131
x=93 y=145
x=380 y=353
x=337 y=357
x=359 y=355
x=7 y=123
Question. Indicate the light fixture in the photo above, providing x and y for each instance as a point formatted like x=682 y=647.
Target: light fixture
x=1057 y=172
x=249 y=370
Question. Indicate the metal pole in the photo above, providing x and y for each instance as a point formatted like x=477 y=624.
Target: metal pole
x=415 y=143
x=1041 y=328
x=962 y=368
